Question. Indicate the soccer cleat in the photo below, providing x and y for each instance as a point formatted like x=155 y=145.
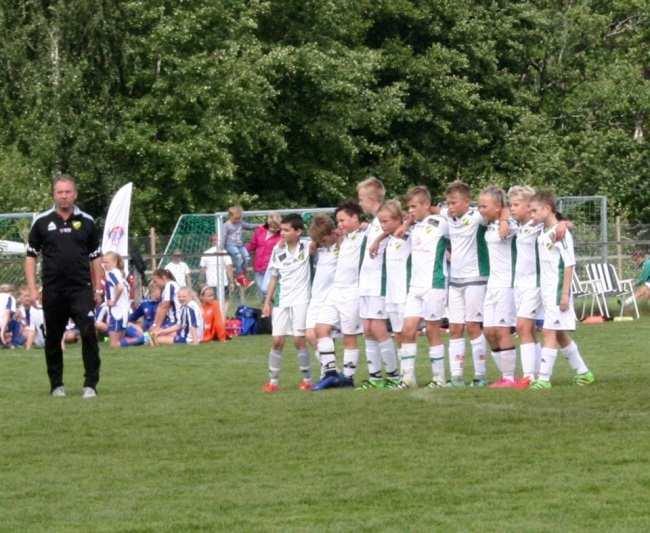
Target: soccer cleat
x=305 y=384
x=435 y=384
x=58 y=392
x=88 y=393
x=540 y=384
x=479 y=382
x=503 y=384
x=523 y=383
x=456 y=383
x=270 y=387
x=391 y=383
x=330 y=380
x=243 y=281
x=584 y=379
x=345 y=381
x=371 y=384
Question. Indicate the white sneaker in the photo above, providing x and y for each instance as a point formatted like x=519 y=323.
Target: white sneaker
x=89 y=392
x=58 y=392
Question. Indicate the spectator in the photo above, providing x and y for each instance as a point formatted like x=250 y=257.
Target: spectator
x=214 y=328
x=234 y=244
x=7 y=315
x=180 y=270
x=208 y=266
x=261 y=245
x=642 y=282
x=31 y=318
x=146 y=311
x=167 y=320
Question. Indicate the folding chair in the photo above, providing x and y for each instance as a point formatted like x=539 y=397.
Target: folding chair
x=585 y=289
x=607 y=283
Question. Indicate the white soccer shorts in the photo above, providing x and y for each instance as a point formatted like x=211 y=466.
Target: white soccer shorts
x=395 y=314
x=289 y=321
x=499 y=308
x=372 y=307
x=557 y=320
x=342 y=312
x=429 y=304
x=529 y=303
x=466 y=304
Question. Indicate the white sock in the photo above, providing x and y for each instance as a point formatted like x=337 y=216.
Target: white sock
x=389 y=357
x=350 y=360
x=478 y=355
x=409 y=352
x=275 y=362
x=456 y=357
x=437 y=358
x=303 y=363
x=496 y=357
x=327 y=354
x=508 y=363
x=528 y=354
x=373 y=356
x=538 y=357
x=546 y=363
x=572 y=353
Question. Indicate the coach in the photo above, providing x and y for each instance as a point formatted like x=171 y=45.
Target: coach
x=68 y=240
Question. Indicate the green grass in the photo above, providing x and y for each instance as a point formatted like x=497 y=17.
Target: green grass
x=182 y=439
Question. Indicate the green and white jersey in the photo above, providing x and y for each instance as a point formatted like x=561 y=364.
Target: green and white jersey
x=325 y=268
x=469 y=263
x=527 y=263
x=502 y=254
x=554 y=258
x=398 y=269
x=428 y=244
x=293 y=270
x=348 y=257
x=372 y=275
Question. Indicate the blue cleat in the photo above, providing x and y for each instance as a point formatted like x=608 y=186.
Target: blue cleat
x=330 y=380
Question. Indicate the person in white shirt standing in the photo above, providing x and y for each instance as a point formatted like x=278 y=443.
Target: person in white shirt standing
x=180 y=269
x=557 y=261
x=469 y=270
x=215 y=268
x=117 y=297
x=372 y=292
x=287 y=299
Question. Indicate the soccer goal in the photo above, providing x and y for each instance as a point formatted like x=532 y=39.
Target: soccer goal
x=14 y=230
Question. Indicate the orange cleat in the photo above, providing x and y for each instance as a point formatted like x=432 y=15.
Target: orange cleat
x=503 y=384
x=270 y=387
x=305 y=385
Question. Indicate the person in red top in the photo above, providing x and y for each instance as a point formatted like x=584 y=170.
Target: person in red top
x=214 y=328
x=264 y=238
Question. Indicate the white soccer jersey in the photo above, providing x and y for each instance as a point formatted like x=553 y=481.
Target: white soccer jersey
x=398 y=269
x=170 y=294
x=502 y=254
x=428 y=243
x=7 y=303
x=120 y=308
x=469 y=257
x=293 y=270
x=527 y=262
x=372 y=275
x=347 y=266
x=554 y=258
x=191 y=317
x=325 y=269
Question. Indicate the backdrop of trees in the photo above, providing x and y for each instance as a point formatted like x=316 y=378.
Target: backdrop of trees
x=288 y=102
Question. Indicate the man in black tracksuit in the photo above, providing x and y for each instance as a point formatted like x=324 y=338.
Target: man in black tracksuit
x=68 y=241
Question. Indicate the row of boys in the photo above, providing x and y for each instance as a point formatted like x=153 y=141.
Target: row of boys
x=502 y=264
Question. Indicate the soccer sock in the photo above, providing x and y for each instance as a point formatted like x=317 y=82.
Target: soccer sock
x=538 y=357
x=373 y=357
x=437 y=359
x=496 y=357
x=409 y=352
x=327 y=354
x=456 y=357
x=478 y=355
x=546 y=363
x=275 y=361
x=350 y=360
x=528 y=354
x=508 y=358
x=572 y=353
x=389 y=357
x=303 y=363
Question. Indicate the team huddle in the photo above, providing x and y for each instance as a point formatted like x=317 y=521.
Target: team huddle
x=503 y=265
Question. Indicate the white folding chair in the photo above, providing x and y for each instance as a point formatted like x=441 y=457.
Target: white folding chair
x=585 y=289
x=607 y=283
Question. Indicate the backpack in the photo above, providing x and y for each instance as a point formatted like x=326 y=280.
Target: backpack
x=233 y=327
x=249 y=317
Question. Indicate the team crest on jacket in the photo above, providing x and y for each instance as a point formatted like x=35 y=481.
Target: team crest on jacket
x=76 y=224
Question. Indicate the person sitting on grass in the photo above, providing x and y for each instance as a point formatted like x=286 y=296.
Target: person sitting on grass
x=30 y=315
x=7 y=312
x=144 y=315
x=189 y=329
x=167 y=320
x=213 y=324
x=642 y=282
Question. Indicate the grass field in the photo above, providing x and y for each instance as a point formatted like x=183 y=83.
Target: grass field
x=182 y=439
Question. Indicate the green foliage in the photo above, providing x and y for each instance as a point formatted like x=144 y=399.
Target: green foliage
x=281 y=103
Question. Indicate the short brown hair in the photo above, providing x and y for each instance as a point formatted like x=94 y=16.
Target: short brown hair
x=321 y=226
x=545 y=197
x=458 y=187
x=375 y=186
x=63 y=177
x=419 y=191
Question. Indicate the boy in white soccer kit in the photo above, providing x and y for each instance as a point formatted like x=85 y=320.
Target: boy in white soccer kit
x=341 y=306
x=557 y=261
x=468 y=274
x=372 y=292
x=427 y=292
x=288 y=293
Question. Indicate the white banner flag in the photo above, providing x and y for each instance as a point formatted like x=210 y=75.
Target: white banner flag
x=116 y=227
